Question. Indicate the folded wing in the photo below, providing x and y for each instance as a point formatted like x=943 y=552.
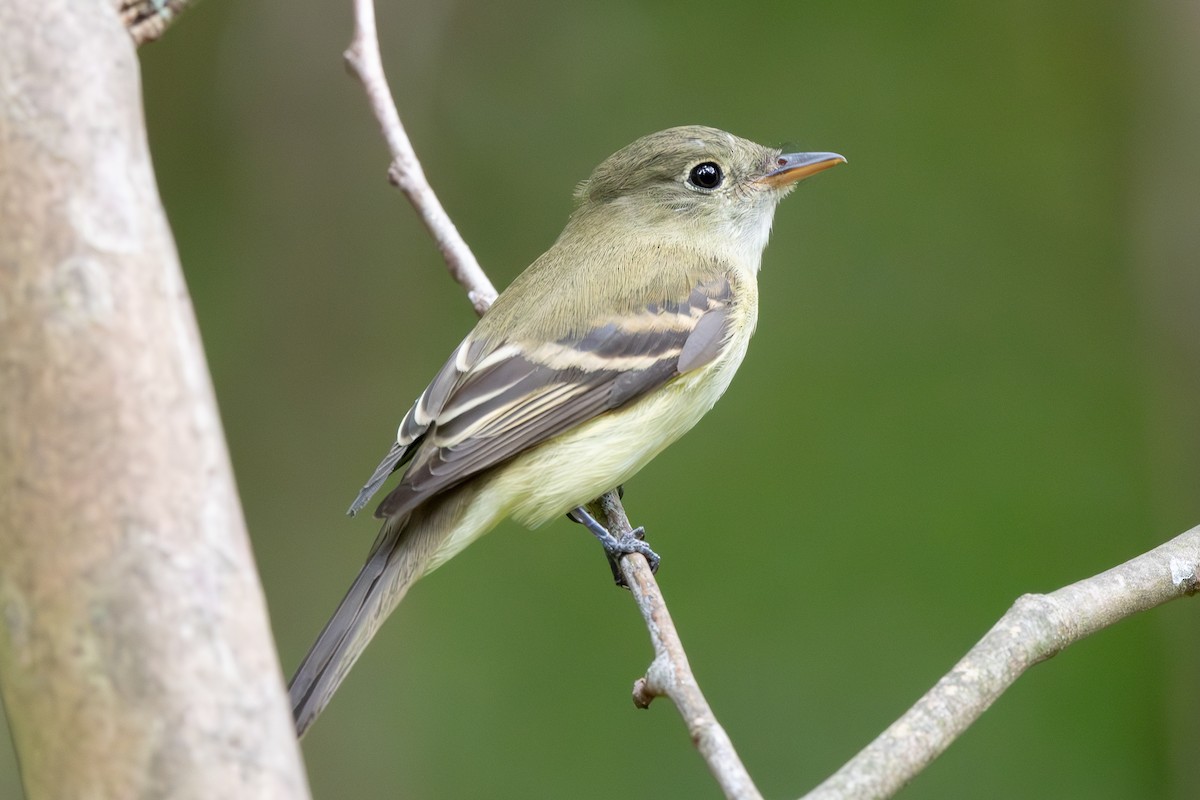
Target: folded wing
x=485 y=407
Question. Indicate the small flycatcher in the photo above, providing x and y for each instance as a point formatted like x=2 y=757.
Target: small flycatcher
x=609 y=347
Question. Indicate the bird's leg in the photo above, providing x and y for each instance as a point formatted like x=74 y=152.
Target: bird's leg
x=614 y=548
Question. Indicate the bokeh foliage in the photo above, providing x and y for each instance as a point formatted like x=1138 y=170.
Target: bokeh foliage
x=969 y=380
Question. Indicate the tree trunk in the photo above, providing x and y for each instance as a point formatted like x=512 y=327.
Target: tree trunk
x=135 y=653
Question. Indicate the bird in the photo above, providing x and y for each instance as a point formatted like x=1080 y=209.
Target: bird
x=607 y=348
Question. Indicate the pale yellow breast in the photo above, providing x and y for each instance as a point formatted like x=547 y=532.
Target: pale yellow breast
x=601 y=454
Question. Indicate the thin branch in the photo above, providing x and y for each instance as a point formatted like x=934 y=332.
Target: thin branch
x=669 y=674
x=1037 y=627
x=362 y=57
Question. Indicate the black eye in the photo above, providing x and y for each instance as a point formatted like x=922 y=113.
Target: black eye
x=705 y=176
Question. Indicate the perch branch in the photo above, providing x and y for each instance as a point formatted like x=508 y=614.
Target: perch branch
x=669 y=674
x=1037 y=627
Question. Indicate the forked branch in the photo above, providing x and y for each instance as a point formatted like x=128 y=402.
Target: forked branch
x=1037 y=626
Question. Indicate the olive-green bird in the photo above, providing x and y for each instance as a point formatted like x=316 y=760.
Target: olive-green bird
x=609 y=347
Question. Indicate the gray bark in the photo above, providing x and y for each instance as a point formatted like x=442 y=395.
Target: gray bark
x=135 y=653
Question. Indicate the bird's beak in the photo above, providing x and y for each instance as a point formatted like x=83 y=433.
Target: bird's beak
x=792 y=168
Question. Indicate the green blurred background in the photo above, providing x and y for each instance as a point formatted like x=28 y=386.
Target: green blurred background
x=975 y=375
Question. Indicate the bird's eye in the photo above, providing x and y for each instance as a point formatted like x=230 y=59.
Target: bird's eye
x=705 y=176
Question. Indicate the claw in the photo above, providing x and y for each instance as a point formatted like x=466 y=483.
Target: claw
x=615 y=548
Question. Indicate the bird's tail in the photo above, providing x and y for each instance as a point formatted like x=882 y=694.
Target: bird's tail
x=404 y=551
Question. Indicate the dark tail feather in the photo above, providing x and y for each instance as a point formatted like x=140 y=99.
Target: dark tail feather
x=390 y=569
x=404 y=551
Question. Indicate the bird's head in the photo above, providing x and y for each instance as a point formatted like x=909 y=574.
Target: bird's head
x=699 y=180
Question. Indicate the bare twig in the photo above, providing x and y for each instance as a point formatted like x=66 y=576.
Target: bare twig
x=1037 y=627
x=670 y=673
x=362 y=57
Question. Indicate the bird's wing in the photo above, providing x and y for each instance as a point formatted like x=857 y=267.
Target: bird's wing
x=417 y=421
x=483 y=409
